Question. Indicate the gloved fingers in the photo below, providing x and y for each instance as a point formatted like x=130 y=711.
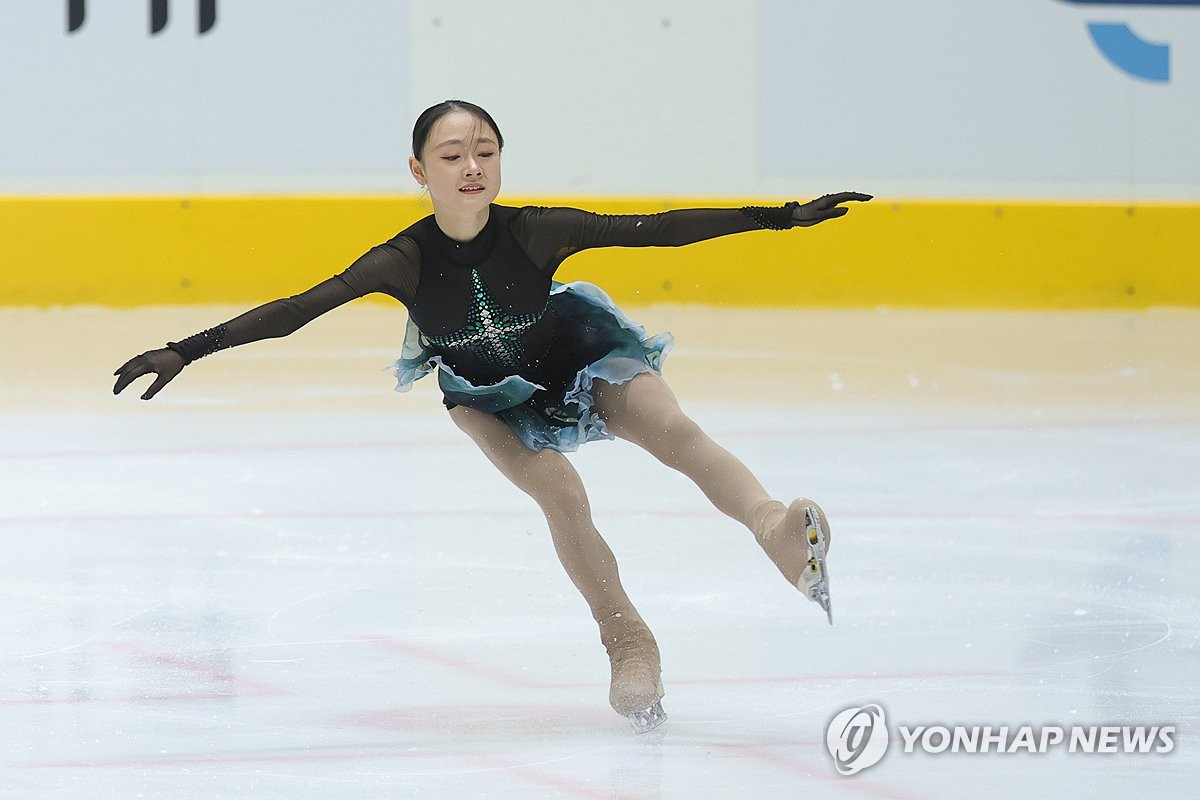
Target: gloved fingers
x=164 y=363
x=128 y=364
x=130 y=371
x=159 y=382
x=843 y=197
x=814 y=215
x=826 y=207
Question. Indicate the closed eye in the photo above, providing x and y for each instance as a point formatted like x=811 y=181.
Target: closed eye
x=457 y=156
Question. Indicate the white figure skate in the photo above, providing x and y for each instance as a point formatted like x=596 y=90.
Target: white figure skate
x=636 y=690
x=814 y=579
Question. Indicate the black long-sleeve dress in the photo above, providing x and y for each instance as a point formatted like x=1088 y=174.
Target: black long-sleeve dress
x=505 y=338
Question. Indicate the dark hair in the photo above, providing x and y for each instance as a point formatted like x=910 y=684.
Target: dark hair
x=431 y=115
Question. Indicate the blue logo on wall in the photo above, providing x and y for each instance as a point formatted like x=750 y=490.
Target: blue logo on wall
x=1127 y=51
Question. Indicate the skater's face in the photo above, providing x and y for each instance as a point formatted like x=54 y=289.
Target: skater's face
x=459 y=163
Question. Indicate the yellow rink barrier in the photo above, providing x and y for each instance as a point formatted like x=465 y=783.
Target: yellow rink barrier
x=131 y=251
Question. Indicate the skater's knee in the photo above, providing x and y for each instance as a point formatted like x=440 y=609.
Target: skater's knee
x=683 y=429
x=566 y=501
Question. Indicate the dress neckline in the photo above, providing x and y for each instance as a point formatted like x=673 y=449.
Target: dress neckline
x=474 y=252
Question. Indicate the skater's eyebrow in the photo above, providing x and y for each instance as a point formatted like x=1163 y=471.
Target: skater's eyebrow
x=481 y=140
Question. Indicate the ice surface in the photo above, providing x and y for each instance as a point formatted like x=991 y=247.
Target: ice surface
x=280 y=579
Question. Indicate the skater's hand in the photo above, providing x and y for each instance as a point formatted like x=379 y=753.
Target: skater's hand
x=164 y=363
x=826 y=207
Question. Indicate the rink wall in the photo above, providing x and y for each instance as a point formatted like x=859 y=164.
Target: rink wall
x=911 y=253
x=1024 y=153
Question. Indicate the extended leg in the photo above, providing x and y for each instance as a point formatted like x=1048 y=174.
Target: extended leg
x=548 y=477
x=645 y=412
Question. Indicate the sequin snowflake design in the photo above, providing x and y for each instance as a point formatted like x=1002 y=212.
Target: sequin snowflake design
x=490 y=331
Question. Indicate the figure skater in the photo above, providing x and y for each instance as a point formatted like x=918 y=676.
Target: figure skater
x=530 y=369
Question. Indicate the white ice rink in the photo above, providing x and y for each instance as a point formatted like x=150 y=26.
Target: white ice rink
x=280 y=579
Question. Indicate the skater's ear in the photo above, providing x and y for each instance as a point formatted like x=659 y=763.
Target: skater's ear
x=418 y=171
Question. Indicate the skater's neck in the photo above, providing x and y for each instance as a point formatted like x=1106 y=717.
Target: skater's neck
x=462 y=226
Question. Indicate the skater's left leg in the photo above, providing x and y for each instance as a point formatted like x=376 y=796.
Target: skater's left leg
x=644 y=411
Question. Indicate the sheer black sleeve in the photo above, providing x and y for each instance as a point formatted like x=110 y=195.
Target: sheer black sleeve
x=549 y=235
x=390 y=268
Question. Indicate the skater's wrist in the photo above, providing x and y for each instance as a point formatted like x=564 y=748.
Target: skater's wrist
x=200 y=345
x=773 y=218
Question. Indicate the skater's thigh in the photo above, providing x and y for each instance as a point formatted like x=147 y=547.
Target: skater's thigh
x=537 y=473
x=642 y=409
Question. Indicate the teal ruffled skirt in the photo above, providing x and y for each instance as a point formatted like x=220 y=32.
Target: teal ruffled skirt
x=551 y=416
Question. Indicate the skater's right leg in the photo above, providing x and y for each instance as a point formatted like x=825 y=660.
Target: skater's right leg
x=644 y=411
x=550 y=479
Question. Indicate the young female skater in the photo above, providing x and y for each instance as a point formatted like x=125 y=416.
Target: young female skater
x=530 y=369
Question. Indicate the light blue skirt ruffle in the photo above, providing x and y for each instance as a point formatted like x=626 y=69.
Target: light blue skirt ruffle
x=574 y=420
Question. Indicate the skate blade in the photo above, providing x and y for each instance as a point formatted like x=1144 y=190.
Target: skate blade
x=823 y=602
x=648 y=720
x=818 y=542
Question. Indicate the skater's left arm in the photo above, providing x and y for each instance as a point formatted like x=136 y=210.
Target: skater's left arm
x=549 y=235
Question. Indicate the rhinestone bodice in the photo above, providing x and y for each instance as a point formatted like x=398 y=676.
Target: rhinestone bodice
x=482 y=305
x=490 y=332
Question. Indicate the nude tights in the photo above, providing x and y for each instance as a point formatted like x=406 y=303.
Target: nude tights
x=643 y=411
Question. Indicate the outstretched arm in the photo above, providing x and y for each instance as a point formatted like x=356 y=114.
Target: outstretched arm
x=384 y=268
x=551 y=234
x=268 y=321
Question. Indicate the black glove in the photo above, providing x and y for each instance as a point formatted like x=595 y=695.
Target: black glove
x=164 y=363
x=823 y=208
x=797 y=215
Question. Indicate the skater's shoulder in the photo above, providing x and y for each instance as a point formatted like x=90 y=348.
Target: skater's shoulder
x=532 y=219
x=412 y=235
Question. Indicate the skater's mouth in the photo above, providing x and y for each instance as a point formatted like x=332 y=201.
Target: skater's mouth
x=471 y=188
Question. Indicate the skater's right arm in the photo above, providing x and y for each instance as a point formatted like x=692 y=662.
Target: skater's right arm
x=389 y=268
